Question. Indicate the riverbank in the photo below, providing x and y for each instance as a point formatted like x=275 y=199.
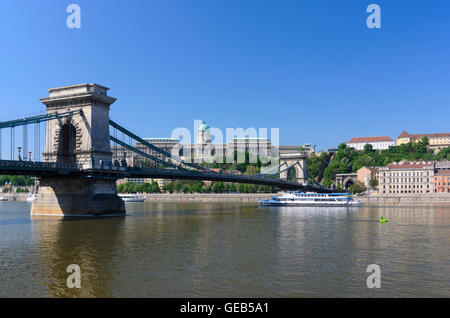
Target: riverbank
x=207 y=197
x=181 y=197
x=405 y=198
x=15 y=196
x=253 y=197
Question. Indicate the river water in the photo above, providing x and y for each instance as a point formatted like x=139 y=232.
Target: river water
x=227 y=250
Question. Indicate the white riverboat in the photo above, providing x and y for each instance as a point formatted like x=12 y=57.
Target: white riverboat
x=32 y=197
x=3 y=199
x=132 y=198
x=310 y=199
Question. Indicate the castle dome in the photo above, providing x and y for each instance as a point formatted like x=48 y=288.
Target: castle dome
x=203 y=127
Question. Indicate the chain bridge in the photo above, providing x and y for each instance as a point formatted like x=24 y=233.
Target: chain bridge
x=77 y=169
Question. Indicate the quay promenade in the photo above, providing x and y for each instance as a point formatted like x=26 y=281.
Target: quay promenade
x=404 y=198
x=208 y=197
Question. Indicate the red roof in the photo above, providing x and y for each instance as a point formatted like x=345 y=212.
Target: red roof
x=442 y=172
x=409 y=165
x=369 y=139
x=420 y=136
x=404 y=134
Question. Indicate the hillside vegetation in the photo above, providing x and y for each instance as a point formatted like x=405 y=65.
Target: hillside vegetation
x=347 y=160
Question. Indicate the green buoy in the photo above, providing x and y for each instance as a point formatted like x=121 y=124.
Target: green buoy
x=382 y=219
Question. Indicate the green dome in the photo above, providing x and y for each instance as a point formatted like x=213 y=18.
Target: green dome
x=203 y=127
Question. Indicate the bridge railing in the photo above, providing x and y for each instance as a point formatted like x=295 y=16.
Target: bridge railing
x=38 y=165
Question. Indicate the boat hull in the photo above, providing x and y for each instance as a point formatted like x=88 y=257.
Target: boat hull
x=133 y=200
x=312 y=204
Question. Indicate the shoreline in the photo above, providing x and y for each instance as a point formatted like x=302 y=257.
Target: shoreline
x=253 y=197
x=207 y=197
x=405 y=198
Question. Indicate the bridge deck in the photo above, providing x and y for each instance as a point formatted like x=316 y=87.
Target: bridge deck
x=47 y=169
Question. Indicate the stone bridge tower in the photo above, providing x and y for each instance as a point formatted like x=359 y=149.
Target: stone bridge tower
x=82 y=140
x=299 y=170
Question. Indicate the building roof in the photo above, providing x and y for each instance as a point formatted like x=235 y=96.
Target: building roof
x=442 y=164
x=253 y=138
x=369 y=139
x=419 y=136
x=161 y=139
x=372 y=169
x=409 y=165
x=442 y=172
x=404 y=134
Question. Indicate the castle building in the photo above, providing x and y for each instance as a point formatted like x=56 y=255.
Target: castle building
x=436 y=141
x=203 y=149
x=378 y=143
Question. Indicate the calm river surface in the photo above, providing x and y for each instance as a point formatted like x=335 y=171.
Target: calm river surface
x=227 y=250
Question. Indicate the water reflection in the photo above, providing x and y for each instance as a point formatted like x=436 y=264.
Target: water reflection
x=89 y=243
x=228 y=250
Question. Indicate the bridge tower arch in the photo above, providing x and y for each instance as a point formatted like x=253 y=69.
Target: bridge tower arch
x=91 y=124
x=82 y=139
x=299 y=159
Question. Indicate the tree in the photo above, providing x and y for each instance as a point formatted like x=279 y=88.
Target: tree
x=358 y=187
x=368 y=148
x=197 y=187
x=373 y=182
x=444 y=154
x=186 y=188
x=168 y=187
x=177 y=187
x=251 y=170
x=155 y=187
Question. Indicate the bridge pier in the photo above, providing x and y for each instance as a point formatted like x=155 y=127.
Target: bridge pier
x=75 y=196
x=79 y=140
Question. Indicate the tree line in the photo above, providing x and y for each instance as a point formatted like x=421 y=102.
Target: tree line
x=189 y=186
x=17 y=180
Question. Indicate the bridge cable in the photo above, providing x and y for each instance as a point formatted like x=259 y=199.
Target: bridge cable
x=157 y=149
x=139 y=152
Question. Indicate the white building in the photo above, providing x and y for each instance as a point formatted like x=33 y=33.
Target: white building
x=378 y=143
x=406 y=177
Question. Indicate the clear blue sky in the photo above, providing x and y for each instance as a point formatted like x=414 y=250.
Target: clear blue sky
x=311 y=68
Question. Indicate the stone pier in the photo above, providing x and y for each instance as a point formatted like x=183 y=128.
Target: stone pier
x=77 y=197
x=81 y=140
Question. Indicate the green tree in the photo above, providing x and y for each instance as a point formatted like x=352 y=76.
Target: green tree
x=444 y=154
x=358 y=187
x=168 y=187
x=368 y=148
x=155 y=187
x=373 y=182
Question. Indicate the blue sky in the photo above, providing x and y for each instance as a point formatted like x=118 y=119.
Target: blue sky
x=311 y=68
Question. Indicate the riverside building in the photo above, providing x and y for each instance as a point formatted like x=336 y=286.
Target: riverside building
x=442 y=181
x=406 y=177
